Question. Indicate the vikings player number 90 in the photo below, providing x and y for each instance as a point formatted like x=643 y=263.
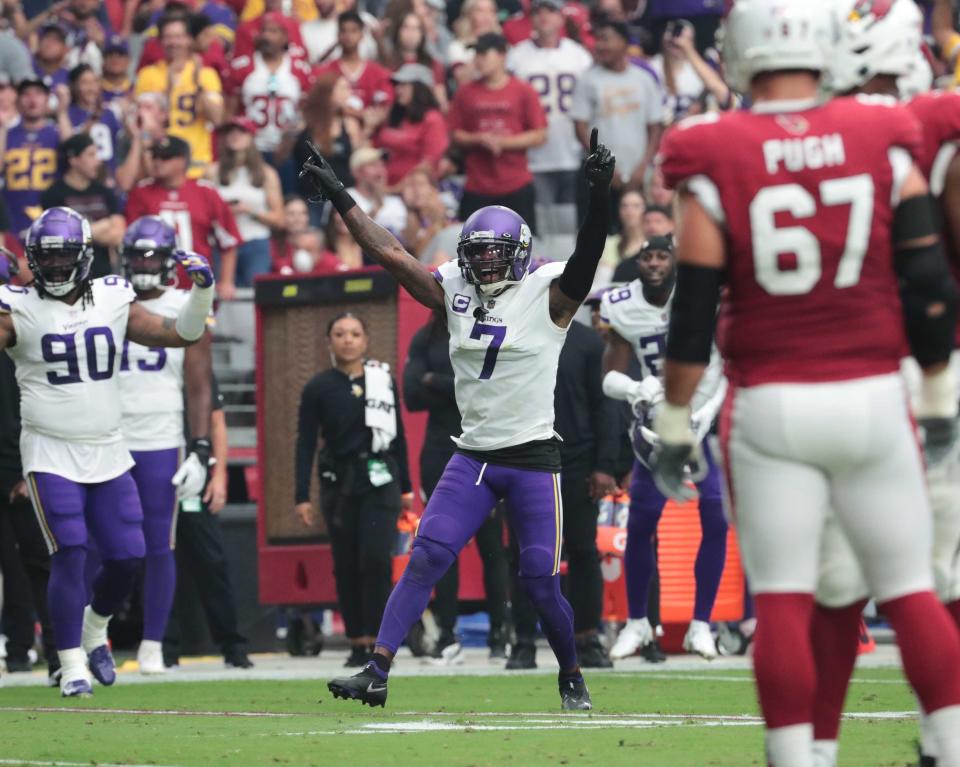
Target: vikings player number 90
x=62 y=348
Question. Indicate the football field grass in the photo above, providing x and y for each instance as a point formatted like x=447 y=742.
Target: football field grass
x=672 y=719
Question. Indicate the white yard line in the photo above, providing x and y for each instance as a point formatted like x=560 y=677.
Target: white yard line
x=58 y=763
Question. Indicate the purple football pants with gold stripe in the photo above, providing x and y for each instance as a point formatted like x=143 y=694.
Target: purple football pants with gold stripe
x=152 y=472
x=462 y=500
x=109 y=513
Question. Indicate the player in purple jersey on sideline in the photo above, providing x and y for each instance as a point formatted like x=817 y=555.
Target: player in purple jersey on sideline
x=65 y=334
x=507 y=327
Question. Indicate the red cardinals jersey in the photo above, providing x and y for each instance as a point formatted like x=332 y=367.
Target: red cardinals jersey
x=939 y=115
x=270 y=99
x=195 y=210
x=806 y=200
x=371 y=84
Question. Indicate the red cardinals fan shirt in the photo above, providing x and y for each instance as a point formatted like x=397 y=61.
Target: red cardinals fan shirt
x=196 y=211
x=806 y=199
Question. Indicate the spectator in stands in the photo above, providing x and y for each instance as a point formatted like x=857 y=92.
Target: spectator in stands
x=249 y=28
x=331 y=126
x=426 y=213
x=321 y=34
x=342 y=244
x=495 y=120
x=370 y=190
x=576 y=23
x=437 y=33
x=14 y=55
x=553 y=65
x=364 y=480
x=78 y=187
x=8 y=102
x=268 y=86
x=659 y=194
x=50 y=59
x=704 y=15
x=369 y=81
x=688 y=76
x=115 y=81
x=623 y=247
x=657 y=221
x=415 y=133
x=296 y=219
x=85 y=33
x=310 y=255
x=477 y=18
x=252 y=190
x=145 y=123
x=408 y=45
x=88 y=115
x=624 y=103
x=194 y=208
x=193 y=91
x=29 y=156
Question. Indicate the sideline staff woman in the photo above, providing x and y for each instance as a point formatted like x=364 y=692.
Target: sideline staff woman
x=363 y=472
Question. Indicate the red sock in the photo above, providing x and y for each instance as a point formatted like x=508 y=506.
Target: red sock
x=783 y=658
x=835 y=635
x=929 y=646
x=954 y=609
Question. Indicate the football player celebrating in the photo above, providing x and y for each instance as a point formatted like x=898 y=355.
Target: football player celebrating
x=821 y=224
x=153 y=381
x=65 y=334
x=637 y=315
x=507 y=327
x=879 y=44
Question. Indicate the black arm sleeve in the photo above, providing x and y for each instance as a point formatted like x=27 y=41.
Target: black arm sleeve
x=693 y=318
x=580 y=270
x=399 y=449
x=603 y=413
x=927 y=289
x=308 y=425
x=415 y=392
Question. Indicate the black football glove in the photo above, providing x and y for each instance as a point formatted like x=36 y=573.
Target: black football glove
x=939 y=438
x=599 y=165
x=319 y=173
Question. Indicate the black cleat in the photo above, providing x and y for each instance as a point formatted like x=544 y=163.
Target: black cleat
x=358 y=656
x=574 y=695
x=235 y=657
x=368 y=686
x=591 y=653
x=497 y=643
x=653 y=653
x=522 y=655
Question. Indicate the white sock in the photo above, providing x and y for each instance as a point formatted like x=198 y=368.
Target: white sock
x=825 y=753
x=74 y=664
x=944 y=724
x=790 y=746
x=94 y=632
x=150 y=645
x=928 y=739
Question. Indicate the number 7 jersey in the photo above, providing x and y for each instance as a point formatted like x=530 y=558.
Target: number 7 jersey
x=504 y=365
x=805 y=199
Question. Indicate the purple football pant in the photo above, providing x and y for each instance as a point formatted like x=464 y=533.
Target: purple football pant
x=152 y=472
x=68 y=512
x=462 y=500
x=646 y=507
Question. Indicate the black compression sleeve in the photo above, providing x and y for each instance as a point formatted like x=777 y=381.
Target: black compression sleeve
x=580 y=270
x=693 y=318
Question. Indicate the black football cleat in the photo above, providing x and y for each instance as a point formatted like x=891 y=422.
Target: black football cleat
x=574 y=695
x=592 y=654
x=653 y=653
x=358 y=656
x=369 y=686
x=523 y=655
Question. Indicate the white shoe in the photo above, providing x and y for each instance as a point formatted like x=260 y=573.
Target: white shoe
x=75 y=680
x=150 y=657
x=451 y=655
x=636 y=634
x=699 y=640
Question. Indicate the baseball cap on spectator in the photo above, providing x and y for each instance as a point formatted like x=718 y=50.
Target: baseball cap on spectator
x=554 y=5
x=364 y=156
x=31 y=82
x=413 y=73
x=490 y=41
x=116 y=44
x=274 y=16
x=169 y=147
x=660 y=242
x=239 y=122
x=53 y=26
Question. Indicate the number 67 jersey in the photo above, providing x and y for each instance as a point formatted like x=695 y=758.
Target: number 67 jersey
x=805 y=198
x=66 y=360
x=505 y=363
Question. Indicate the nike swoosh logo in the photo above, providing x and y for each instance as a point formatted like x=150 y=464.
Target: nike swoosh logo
x=373 y=687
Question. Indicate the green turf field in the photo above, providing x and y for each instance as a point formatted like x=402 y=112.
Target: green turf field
x=670 y=719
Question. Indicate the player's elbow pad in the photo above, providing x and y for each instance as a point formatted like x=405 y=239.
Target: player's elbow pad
x=693 y=318
x=192 y=318
x=929 y=299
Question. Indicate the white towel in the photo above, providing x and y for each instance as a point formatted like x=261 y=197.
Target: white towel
x=381 y=406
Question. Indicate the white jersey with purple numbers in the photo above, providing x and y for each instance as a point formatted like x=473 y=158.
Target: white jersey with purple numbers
x=644 y=327
x=505 y=364
x=151 y=385
x=66 y=361
x=553 y=74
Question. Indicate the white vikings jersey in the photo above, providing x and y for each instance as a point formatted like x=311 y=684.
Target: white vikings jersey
x=644 y=327
x=553 y=74
x=505 y=365
x=270 y=99
x=151 y=386
x=66 y=362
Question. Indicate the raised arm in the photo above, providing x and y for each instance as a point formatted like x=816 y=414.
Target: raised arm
x=149 y=329
x=375 y=241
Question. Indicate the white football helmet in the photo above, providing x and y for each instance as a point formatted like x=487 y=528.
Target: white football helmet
x=775 y=35
x=874 y=37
